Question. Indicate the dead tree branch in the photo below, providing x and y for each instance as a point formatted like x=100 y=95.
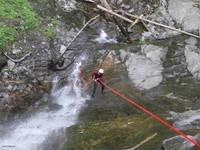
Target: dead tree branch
x=106 y=8
x=136 y=21
x=69 y=44
x=146 y=20
x=18 y=60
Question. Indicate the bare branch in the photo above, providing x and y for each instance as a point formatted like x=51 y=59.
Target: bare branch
x=18 y=60
x=92 y=19
x=162 y=25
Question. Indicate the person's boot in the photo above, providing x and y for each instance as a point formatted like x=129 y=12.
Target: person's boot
x=102 y=91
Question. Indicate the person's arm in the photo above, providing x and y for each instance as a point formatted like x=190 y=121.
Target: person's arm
x=93 y=77
x=100 y=78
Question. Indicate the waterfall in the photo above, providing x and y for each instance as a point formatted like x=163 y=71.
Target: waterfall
x=33 y=132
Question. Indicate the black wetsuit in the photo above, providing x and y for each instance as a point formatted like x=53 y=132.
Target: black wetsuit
x=96 y=76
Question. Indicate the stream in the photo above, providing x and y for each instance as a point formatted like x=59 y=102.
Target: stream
x=31 y=132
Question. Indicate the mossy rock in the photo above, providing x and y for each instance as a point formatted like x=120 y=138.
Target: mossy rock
x=120 y=133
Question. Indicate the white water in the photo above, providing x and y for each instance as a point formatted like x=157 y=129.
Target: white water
x=104 y=38
x=32 y=132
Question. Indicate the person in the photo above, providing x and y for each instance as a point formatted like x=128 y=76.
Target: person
x=97 y=76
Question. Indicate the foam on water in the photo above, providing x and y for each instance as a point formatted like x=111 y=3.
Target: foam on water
x=32 y=132
x=104 y=38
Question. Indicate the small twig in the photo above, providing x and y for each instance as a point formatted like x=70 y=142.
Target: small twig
x=136 y=21
x=143 y=142
x=18 y=60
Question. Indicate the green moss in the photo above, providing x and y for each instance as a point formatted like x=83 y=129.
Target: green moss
x=49 y=31
x=6 y=34
x=120 y=133
x=16 y=16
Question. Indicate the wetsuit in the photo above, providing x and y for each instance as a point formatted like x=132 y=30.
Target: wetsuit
x=96 y=76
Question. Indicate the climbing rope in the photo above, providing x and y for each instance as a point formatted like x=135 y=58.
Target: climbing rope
x=153 y=115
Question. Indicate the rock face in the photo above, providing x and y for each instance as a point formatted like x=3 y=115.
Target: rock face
x=67 y=5
x=185 y=12
x=187 y=120
x=178 y=143
x=162 y=16
x=145 y=70
x=192 y=55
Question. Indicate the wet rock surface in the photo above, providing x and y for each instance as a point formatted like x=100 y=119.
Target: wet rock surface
x=145 y=68
x=187 y=120
x=192 y=54
x=177 y=143
x=185 y=13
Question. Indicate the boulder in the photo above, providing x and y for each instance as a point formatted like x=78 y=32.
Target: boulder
x=145 y=69
x=187 y=120
x=185 y=13
x=178 y=143
x=192 y=55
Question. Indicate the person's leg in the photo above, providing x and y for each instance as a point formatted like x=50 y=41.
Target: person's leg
x=102 y=89
x=94 y=89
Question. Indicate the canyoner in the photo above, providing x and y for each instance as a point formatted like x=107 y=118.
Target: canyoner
x=97 y=76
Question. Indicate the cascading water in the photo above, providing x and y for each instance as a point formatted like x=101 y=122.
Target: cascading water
x=104 y=38
x=32 y=133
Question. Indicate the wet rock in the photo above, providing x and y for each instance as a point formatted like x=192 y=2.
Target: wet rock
x=62 y=49
x=187 y=120
x=10 y=87
x=116 y=134
x=162 y=16
x=185 y=13
x=191 y=41
x=67 y=5
x=178 y=143
x=11 y=64
x=5 y=75
x=16 y=51
x=192 y=55
x=145 y=70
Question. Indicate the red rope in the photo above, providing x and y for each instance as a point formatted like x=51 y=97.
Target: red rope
x=156 y=117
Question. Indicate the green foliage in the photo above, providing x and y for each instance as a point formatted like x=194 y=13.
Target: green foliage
x=15 y=16
x=6 y=34
x=49 y=31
